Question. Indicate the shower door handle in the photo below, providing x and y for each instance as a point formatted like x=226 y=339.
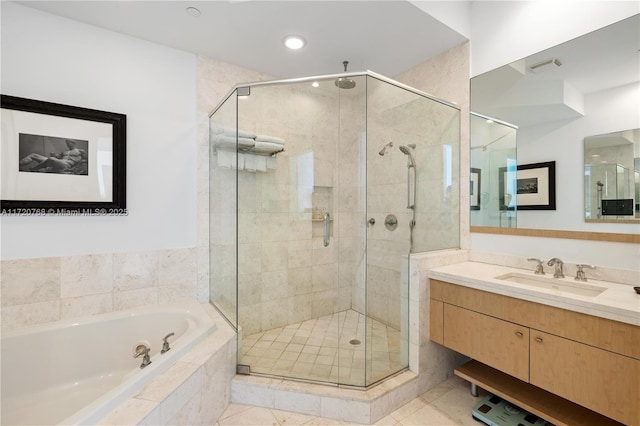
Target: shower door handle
x=327 y=229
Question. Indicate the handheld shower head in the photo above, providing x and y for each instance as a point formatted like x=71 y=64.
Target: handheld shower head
x=407 y=151
x=383 y=151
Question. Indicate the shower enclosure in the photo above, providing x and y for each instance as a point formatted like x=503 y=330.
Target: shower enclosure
x=317 y=189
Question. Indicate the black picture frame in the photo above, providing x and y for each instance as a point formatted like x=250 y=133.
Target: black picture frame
x=535 y=186
x=99 y=189
x=475 y=188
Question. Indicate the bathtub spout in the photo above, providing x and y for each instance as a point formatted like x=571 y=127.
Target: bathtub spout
x=143 y=350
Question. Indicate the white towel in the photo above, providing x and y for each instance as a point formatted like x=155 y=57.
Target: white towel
x=267 y=148
x=272 y=139
x=240 y=164
x=250 y=162
x=272 y=163
x=229 y=142
x=230 y=131
x=261 y=163
x=226 y=159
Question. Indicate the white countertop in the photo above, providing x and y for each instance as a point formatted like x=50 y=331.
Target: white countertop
x=618 y=302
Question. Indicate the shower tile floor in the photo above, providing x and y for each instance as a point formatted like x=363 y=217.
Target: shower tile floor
x=323 y=349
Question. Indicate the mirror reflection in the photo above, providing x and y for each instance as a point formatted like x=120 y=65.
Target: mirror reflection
x=612 y=176
x=558 y=100
x=493 y=151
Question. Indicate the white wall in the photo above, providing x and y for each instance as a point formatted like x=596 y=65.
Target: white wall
x=454 y=14
x=505 y=31
x=54 y=59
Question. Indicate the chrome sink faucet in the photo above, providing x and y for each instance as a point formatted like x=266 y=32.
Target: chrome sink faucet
x=539 y=267
x=580 y=275
x=558 y=264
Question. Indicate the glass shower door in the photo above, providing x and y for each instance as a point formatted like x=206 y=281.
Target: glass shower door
x=295 y=274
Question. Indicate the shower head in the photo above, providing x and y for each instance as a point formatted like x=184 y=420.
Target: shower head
x=600 y=184
x=383 y=151
x=407 y=151
x=345 y=82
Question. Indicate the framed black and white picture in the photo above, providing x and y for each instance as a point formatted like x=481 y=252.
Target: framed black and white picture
x=58 y=158
x=534 y=186
x=475 y=187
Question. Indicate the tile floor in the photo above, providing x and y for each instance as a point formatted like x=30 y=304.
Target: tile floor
x=447 y=404
x=323 y=349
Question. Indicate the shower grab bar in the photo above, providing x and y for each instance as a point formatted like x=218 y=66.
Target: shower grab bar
x=327 y=229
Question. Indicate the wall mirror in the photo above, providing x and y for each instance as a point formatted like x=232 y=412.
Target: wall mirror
x=492 y=156
x=612 y=176
x=555 y=102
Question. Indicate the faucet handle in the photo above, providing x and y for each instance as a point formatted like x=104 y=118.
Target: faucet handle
x=539 y=267
x=580 y=275
x=165 y=343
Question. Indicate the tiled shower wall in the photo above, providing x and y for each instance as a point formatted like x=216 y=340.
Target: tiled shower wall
x=41 y=290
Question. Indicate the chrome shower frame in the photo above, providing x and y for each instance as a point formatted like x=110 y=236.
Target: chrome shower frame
x=369 y=73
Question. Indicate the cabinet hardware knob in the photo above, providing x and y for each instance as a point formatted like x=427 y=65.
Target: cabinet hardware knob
x=538 y=339
x=519 y=333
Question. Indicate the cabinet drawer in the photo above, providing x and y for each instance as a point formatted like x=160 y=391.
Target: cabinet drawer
x=602 y=381
x=496 y=343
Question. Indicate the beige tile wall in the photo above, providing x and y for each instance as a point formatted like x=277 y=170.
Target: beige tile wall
x=41 y=290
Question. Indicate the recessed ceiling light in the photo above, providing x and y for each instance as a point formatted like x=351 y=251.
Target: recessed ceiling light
x=294 y=42
x=193 y=11
x=490 y=121
x=315 y=84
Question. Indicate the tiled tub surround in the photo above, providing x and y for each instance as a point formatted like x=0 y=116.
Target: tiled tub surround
x=195 y=390
x=76 y=371
x=41 y=290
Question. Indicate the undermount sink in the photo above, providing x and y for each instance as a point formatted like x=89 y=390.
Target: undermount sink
x=579 y=288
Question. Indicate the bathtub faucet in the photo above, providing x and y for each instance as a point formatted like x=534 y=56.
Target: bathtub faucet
x=165 y=343
x=143 y=350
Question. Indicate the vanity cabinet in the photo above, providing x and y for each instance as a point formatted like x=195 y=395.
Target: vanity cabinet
x=600 y=380
x=494 y=342
x=593 y=362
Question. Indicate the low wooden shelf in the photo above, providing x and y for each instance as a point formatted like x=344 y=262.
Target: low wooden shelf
x=543 y=404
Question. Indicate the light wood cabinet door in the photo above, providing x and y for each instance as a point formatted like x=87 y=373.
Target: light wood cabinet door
x=600 y=380
x=436 y=318
x=499 y=344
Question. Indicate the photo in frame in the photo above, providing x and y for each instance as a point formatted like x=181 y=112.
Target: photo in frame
x=475 y=188
x=534 y=186
x=58 y=158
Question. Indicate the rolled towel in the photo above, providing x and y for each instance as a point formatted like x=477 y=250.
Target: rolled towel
x=267 y=148
x=229 y=142
x=271 y=139
x=230 y=131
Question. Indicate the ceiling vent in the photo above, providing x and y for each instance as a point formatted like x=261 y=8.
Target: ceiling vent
x=545 y=65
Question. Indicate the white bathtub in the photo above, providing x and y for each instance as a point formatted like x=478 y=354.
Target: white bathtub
x=77 y=371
